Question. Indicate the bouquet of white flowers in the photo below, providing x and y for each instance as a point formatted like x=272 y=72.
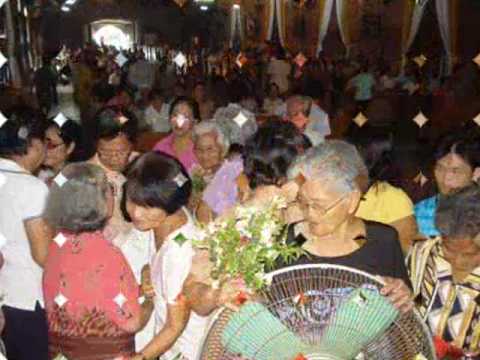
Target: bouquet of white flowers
x=247 y=244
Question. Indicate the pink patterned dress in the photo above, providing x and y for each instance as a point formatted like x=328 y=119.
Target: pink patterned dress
x=91 y=298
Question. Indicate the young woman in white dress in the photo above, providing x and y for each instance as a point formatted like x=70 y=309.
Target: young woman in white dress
x=157 y=190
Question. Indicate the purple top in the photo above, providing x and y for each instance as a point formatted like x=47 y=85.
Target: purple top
x=187 y=158
x=222 y=192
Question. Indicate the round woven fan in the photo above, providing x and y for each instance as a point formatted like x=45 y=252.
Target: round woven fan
x=320 y=311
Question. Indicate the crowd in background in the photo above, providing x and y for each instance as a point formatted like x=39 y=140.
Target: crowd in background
x=104 y=201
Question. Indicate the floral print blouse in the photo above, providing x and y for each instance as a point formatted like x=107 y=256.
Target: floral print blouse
x=89 y=288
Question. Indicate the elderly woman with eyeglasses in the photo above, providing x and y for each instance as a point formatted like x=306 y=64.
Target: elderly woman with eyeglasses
x=179 y=143
x=329 y=195
x=91 y=295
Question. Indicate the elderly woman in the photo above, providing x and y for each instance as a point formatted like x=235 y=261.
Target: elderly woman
x=86 y=277
x=329 y=195
x=64 y=145
x=445 y=271
x=156 y=193
x=376 y=147
x=457 y=164
x=215 y=178
x=307 y=116
x=179 y=143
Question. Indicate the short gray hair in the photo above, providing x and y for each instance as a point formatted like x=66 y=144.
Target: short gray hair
x=80 y=204
x=207 y=127
x=235 y=133
x=335 y=162
x=458 y=215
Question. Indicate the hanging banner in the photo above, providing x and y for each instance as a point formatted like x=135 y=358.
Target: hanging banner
x=236 y=28
x=258 y=18
x=447 y=16
x=299 y=24
x=349 y=14
x=324 y=23
x=413 y=14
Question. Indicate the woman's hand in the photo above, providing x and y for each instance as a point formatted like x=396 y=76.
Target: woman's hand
x=146 y=283
x=233 y=292
x=398 y=293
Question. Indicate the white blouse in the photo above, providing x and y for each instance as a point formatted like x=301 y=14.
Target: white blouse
x=138 y=248
x=170 y=268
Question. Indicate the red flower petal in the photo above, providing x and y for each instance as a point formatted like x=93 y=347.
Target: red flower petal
x=300 y=357
x=241 y=298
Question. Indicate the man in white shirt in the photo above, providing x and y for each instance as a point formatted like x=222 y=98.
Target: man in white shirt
x=22 y=199
x=279 y=71
x=156 y=114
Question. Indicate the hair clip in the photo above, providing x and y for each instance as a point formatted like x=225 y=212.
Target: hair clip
x=60 y=119
x=3 y=119
x=240 y=119
x=60 y=179
x=180 y=179
x=22 y=133
x=122 y=119
x=181 y=119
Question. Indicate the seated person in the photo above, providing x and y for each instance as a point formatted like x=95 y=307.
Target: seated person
x=382 y=202
x=331 y=232
x=272 y=101
x=307 y=117
x=457 y=161
x=214 y=178
x=445 y=271
x=156 y=114
x=179 y=143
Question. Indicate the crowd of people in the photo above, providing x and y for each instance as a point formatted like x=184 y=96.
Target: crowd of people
x=98 y=228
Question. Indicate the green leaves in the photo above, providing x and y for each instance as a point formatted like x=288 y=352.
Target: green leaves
x=248 y=244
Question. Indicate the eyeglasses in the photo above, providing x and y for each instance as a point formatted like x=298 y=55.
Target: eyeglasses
x=53 y=146
x=455 y=171
x=321 y=210
x=124 y=153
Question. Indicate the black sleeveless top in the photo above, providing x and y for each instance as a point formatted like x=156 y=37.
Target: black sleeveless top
x=380 y=254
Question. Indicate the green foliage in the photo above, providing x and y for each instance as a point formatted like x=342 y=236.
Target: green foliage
x=248 y=245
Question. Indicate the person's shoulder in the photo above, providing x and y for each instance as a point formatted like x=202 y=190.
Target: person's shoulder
x=384 y=239
x=380 y=232
x=422 y=243
x=395 y=194
x=425 y=203
x=34 y=185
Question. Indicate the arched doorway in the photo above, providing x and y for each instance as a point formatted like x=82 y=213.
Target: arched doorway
x=117 y=33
